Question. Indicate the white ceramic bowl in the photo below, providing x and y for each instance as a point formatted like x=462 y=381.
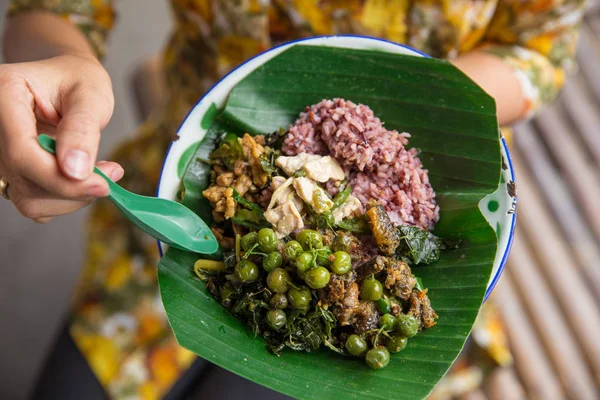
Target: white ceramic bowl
x=498 y=208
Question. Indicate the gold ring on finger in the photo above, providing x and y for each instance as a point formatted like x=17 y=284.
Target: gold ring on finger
x=4 y=188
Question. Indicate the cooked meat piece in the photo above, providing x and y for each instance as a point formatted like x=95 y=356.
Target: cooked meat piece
x=371 y=267
x=263 y=198
x=367 y=317
x=333 y=292
x=241 y=167
x=243 y=184
x=221 y=205
x=252 y=152
x=305 y=188
x=230 y=206
x=282 y=194
x=363 y=317
x=415 y=306
x=225 y=179
x=328 y=237
x=352 y=207
x=228 y=243
x=276 y=182
x=346 y=241
x=399 y=279
x=398 y=276
x=342 y=295
x=222 y=196
x=312 y=194
x=214 y=193
x=420 y=308
x=225 y=204
x=324 y=169
x=285 y=218
x=341 y=290
x=298 y=203
x=396 y=309
x=289 y=165
x=351 y=296
x=386 y=235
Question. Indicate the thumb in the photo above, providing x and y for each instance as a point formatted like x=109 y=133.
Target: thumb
x=85 y=112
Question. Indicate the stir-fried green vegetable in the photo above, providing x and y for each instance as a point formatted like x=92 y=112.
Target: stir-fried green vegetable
x=418 y=246
x=252 y=216
x=249 y=219
x=229 y=150
x=275 y=139
x=342 y=195
x=355 y=225
x=419 y=285
x=304 y=330
x=267 y=162
x=325 y=220
x=248 y=204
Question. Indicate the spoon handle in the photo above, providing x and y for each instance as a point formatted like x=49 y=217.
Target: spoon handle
x=168 y=221
x=49 y=145
x=114 y=188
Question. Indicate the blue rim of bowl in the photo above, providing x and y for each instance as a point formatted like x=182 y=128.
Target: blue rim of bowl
x=512 y=226
x=511 y=237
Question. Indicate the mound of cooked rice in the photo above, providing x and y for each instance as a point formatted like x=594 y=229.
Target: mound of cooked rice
x=375 y=159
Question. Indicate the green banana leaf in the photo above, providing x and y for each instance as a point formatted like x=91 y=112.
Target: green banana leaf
x=452 y=121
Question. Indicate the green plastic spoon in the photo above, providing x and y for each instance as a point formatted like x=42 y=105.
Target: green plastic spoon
x=168 y=221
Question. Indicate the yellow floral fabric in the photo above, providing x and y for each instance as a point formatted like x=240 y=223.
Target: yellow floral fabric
x=118 y=321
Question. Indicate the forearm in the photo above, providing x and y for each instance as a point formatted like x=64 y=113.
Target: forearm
x=499 y=80
x=40 y=35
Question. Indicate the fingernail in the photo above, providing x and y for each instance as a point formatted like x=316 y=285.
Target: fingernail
x=117 y=174
x=77 y=164
x=97 y=191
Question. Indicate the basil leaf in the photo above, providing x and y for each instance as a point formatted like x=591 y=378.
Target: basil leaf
x=266 y=165
x=419 y=286
x=305 y=330
x=248 y=204
x=355 y=225
x=229 y=150
x=250 y=219
x=418 y=246
x=341 y=197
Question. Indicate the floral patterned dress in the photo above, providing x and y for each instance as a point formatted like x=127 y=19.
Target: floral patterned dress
x=117 y=319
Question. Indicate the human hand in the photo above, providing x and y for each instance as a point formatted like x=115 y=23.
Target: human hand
x=69 y=97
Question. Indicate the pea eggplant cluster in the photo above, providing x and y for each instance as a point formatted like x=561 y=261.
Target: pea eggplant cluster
x=296 y=269
x=306 y=257
x=396 y=331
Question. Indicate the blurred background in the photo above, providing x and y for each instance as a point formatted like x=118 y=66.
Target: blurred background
x=40 y=266
x=550 y=290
